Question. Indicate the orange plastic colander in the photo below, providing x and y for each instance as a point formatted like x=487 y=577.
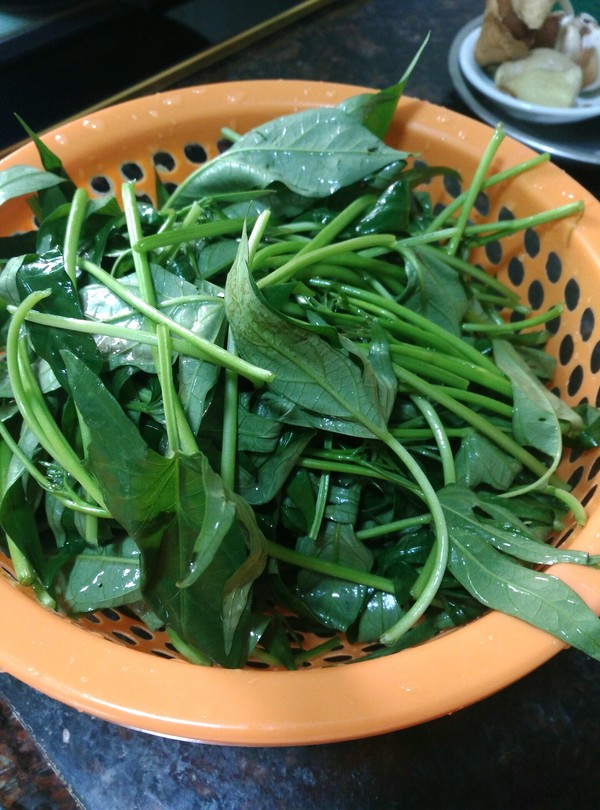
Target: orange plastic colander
x=115 y=668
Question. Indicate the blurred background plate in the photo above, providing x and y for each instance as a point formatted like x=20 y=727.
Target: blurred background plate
x=585 y=107
x=578 y=142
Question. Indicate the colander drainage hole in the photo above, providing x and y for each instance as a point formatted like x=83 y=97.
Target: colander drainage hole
x=575 y=380
x=516 y=271
x=132 y=171
x=111 y=614
x=505 y=214
x=595 y=359
x=493 y=252
x=452 y=185
x=535 y=294
x=553 y=267
x=589 y=495
x=594 y=469
x=572 y=293
x=124 y=638
x=101 y=184
x=586 y=325
x=566 y=348
x=195 y=153
x=531 y=241
x=164 y=161
x=141 y=632
x=482 y=203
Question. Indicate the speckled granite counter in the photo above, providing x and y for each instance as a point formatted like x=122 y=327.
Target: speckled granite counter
x=534 y=745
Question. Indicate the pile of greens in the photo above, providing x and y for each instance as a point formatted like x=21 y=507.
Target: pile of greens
x=283 y=399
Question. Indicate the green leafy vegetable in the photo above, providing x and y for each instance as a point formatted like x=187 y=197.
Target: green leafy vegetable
x=307 y=370
x=313 y=153
x=285 y=396
x=19 y=180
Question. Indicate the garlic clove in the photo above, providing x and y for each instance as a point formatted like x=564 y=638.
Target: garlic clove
x=579 y=39
x=590 y=59
x=533 y=13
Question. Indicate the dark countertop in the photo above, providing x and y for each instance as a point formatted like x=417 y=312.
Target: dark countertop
x=534 y=745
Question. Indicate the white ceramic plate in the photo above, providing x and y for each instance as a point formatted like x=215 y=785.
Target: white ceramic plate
x=585 y=106
x=578 y=143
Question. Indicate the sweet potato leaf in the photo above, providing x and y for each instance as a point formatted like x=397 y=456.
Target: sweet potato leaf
x=102 y=577
x=17 y=519
x=497 y=524
x=334 y=601
x=376 y=110
x=381 y=612
x=286 y=411
x=535 y=417
x=438 y=292
x=308 y=371
x=500 y=582
x=199 y=310
x=313 y=153
x=589 y=435
x=176 y=510
x=47 y=273
x=261 y=476
x=50 y=197
x=257 y=431
x=480 y=461
x=19 y=180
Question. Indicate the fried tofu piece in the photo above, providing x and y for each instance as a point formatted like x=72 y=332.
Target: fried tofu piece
x=511 y=28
